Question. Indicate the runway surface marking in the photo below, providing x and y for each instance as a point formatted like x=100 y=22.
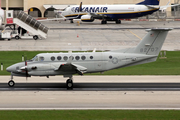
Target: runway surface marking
x=90 y=108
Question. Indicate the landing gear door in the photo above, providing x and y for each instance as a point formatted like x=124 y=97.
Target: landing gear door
x=9 y=17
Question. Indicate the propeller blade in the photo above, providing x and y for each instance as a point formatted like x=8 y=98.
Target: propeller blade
x=26 y=67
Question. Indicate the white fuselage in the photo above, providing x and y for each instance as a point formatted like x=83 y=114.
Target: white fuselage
x=47 y=63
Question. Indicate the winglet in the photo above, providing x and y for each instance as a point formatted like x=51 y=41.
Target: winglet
x=80 y=7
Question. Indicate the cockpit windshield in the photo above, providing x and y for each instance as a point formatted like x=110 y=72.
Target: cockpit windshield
x=65 y=9
x=35 y=58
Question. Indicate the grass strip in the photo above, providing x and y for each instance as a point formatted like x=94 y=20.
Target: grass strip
x=90 y=115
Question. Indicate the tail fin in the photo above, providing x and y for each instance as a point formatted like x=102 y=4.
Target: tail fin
x=152 y=42
x=149 y=2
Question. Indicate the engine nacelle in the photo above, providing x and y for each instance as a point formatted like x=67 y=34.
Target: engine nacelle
x=87 y=18
x=163 y=11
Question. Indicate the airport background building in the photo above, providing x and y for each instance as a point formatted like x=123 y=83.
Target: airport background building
x=45 y=8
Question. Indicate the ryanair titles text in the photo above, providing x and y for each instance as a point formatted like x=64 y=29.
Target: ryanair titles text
x=90 y=9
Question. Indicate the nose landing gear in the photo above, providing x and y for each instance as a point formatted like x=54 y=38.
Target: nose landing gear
x=11 y=83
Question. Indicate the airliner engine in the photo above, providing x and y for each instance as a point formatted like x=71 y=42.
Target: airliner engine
x=87 y=18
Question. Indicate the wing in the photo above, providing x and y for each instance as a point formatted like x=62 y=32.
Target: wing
x=63 y=18
x=72 y=67
x=100 y=16
x=165 y=7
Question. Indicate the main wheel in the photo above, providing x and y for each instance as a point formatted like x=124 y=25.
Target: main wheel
x=71 y=21
x=118 y=21
x=17 y=37
x=35 y=37
x=103 y=22
x=69 y=84
x=11 y=83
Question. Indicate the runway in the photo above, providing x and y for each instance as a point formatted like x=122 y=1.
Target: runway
x=91 y=92
x=94 y=83
x=93 y=87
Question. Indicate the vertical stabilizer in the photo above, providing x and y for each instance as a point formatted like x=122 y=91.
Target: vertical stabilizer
x=149 y=2
x=152 y=42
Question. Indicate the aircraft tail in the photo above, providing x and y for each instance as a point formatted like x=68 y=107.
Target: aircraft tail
x=152 y=42
x=149 y=2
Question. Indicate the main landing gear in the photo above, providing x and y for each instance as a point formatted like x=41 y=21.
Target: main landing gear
x=118 y=21
x=11 y=83
x=103 y=22
x=69 y=84
x=71 y=21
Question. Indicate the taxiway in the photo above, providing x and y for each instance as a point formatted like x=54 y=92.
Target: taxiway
x=66 y=36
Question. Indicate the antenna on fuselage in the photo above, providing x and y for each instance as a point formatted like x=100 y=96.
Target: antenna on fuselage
x=94 y=50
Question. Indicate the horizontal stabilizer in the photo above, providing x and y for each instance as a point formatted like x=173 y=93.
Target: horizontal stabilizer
x=149 y=2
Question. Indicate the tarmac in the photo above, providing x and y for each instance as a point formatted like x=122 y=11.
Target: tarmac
x=64 y=36
x=37 y=99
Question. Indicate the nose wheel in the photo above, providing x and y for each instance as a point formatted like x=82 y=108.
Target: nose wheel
x=11 y=83
x=69 y=84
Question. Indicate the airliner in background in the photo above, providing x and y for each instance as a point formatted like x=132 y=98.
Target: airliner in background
x=88 y=13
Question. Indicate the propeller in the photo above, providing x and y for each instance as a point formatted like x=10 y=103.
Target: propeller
x=26 y=70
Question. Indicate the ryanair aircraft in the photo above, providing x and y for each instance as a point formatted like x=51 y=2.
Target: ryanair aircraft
x=88 y=13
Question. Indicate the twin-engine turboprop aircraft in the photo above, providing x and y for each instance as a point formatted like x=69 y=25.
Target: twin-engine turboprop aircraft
x=67 y=64
x=88 y=13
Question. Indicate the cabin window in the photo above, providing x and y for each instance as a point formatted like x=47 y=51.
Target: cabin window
x=72 y=57
x=83 y=57
x=59 y=58
x=110 y=57
x=41 y=58
x=91 y=57
x=52 y=58
x=77 y=57
x=65 y=58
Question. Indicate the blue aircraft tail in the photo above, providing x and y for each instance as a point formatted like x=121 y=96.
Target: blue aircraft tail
x=149 y=2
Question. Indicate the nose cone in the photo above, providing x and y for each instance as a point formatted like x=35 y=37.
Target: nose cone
x=9 y=69
x=15 y=67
